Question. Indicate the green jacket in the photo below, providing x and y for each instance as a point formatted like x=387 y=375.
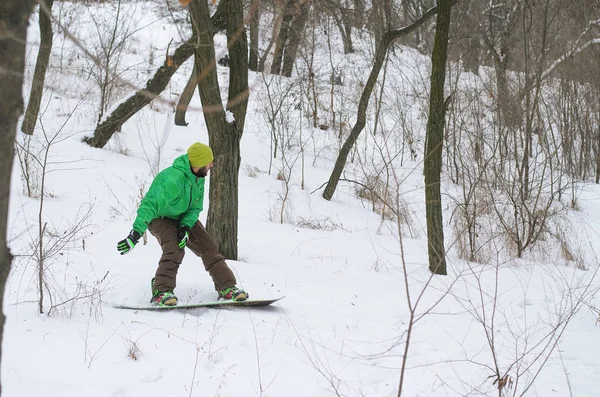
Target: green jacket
x=175 y=193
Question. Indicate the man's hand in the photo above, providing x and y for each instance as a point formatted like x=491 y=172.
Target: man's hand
x=183 y=234
x=126 y=245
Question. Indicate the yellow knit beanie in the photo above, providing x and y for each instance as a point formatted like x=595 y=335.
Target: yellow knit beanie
x=200 y=155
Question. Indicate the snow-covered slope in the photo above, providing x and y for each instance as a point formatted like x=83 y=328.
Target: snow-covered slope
x=343 y=325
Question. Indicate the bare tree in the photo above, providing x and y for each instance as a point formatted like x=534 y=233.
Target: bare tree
x=295 y=37
x=519 y=347
x=41 y=65
x=466 y=34
x=345 y=19
x=225 y=126
x=108 y=47
x=380 y=55
x=289 y=11
x=274 y=32
x=113 y=123
x=154 y=87
x=435 y=141
x=502 y=19
x=48 y=243
x=14 y=19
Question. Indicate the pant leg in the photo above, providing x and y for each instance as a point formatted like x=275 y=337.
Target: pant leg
x=204 y=246
x=165 y=231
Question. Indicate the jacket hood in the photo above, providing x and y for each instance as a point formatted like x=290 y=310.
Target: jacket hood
x=182 y=164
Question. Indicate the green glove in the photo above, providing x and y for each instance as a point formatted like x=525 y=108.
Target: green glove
x=183 y=234
x=126 y=245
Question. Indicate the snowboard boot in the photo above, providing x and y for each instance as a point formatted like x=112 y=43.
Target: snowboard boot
x=166 y=298
x=234 y=294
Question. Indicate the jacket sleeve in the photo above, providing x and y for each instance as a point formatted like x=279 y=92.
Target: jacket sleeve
x=153 y=202
x=189 y=217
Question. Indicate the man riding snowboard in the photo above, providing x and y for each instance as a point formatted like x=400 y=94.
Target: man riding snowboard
x=170 y=211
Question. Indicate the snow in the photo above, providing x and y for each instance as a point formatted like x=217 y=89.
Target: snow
x=229 y=117
x=341 y=328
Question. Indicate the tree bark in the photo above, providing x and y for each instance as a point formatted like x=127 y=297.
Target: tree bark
x=361 y=116
x=254 y=30
x=282 y=38
x=14 y=19
x=155 y=86
x=185 y=98
x=435 y=141
x=224 y=136
x=359 y=13
x=344 y=24
x=41 y=65
x=295 y=36
x=274 y=32
x=347 y=36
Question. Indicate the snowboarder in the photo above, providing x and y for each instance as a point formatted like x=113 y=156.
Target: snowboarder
x=170 y=210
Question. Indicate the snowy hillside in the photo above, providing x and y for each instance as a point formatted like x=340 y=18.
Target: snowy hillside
x=356 y=284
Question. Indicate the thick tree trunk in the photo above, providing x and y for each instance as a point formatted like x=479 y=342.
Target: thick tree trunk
x=113 y=123
x=361 y=115
x=435 y=142
x=282 y=38
x=295 y=36
x=41 y=65
x=14 y=18
x=224 y=136
x=254 y=30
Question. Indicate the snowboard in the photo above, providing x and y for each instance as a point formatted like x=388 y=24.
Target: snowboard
x=224 y=303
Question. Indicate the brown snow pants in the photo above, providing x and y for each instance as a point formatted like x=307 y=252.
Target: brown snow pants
x=199 y=242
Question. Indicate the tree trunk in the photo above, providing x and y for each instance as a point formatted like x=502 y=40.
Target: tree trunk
x=498 y=42
x=471 y=58
x=361 y=116
x=41 y=65
x=344 y=25
x=224 y=137
x=274 y=32
x=387 y=12
x=185 y=98
x=237 y=43
x=282 y=38
x=435 y=141
x=296 y=34
x=14 y=19
x=465 y=27
x=376 y=23
x=347 y=36
x=359 y=13
x=254 y=30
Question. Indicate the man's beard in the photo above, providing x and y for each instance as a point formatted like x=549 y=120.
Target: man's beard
x=202 y=172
